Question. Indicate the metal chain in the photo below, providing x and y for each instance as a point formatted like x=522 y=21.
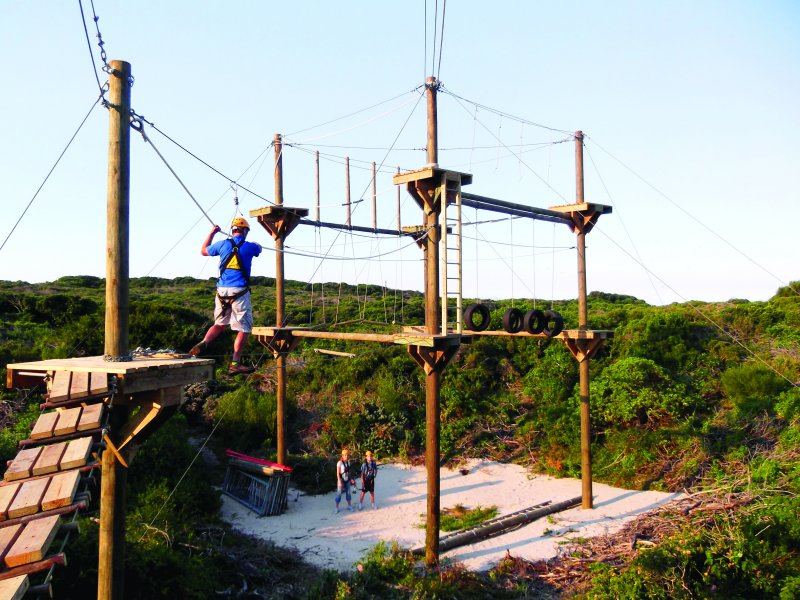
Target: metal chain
x=138 y=352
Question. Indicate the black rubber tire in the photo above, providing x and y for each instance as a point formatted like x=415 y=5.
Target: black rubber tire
x=534 y=321
x=557 y=321
x=469 y=317
x=512 y=320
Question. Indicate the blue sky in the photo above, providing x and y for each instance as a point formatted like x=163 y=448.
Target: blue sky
x=690 y=109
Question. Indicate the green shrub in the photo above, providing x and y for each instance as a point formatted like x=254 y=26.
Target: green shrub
x=752 y=388
x=247 y=419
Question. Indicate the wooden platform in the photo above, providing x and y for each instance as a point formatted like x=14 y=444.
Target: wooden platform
x=138 y=375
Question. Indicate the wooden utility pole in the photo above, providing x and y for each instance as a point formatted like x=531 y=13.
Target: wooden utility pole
x=280 y=305
x=433 y=377
x=110 y=576
x=583 y=324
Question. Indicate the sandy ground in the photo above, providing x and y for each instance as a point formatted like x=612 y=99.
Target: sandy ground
x=338 y=541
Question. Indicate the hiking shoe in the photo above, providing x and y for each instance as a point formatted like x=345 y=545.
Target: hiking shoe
x=197 y=349
x=238 y=369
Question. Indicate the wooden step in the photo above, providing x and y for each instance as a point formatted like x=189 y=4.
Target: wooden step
x=67 y=421
x=79 y=385
x=61 y=490
x=29 y=498
x=49 y=458
x=14 y=588
x=58 y=386
x=8 y=535
x=20 y=467
x=44 y=425
x=7 y=493
x=91 y=417
x=33 y=542
x=77 y=453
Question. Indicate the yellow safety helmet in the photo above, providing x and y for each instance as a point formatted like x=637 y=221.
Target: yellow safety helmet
x=240 y=222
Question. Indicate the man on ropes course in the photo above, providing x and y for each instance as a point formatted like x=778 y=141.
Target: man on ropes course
x=232 y=304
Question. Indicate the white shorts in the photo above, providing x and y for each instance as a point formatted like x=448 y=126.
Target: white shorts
x=238 y=314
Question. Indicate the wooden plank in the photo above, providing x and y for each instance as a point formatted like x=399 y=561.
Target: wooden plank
x=61 y=490
x=58 y=386
x=20 y=468
x=91 y=417
x=33 y=542
x=77 y=453
x=49 y=458
x=29 y=498
x=79 y=386
x=98 y=384
x=8 y=535
x=68 y=421
x=14 y=588
x=7 y=493
x=44 y=425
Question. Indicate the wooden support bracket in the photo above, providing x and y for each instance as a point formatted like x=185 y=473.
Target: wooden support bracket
x=433 y=359
x=154 y=408
x=583 y=349
x=110 y=446
x=279 y=221
x=583 y=216
x=281 y=342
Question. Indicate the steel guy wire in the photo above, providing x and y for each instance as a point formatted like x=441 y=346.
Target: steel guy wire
x=379 y=167
x=502 y=113
x=89 y=44
x=697 y=310
x=622 y=222
x=698 y=221
x=441 y=39
x=352 y=113
x=542 y=179
x=60 y=156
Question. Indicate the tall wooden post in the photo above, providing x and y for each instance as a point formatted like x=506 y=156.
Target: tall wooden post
x=280 y=304
x=583 y=324
x=432 y=381
x=110 y=576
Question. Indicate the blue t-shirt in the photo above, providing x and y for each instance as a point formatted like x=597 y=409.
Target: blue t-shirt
x=234 y=273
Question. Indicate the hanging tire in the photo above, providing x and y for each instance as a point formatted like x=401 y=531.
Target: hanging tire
x=512 y=320
x=469 y=317
x=557 y=321
x=534 y=321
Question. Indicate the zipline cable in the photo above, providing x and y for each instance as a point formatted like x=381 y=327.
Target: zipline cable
x=140 y=128
x=516 y=155
x=60 y=156
x=698 y=311
x=622 y=222
x=698 y=221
